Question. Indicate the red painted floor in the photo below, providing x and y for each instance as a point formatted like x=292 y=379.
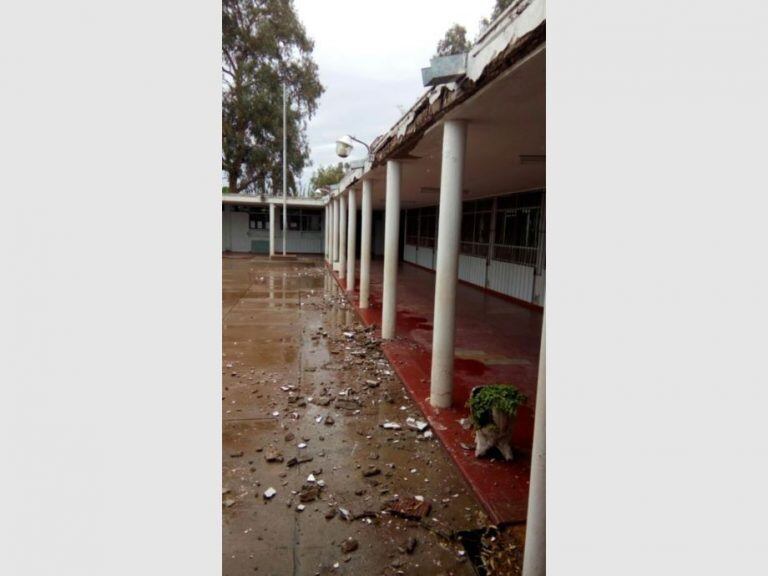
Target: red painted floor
x=497 y=342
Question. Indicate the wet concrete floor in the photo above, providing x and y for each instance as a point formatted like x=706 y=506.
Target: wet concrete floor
x=293 y=355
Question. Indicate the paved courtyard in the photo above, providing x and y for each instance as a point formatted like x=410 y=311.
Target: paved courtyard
x=306 y=395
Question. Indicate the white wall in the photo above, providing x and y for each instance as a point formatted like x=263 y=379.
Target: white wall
x=511 y=279
x=425 y=257
x=409 y=253
x=472 y=269
x=236 y=236
x=504 y=277
x=300 y=242
x=238 y=225
x=539 y=288
x=225 y=230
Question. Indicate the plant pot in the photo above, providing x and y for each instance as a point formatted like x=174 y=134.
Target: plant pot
x=498 y=434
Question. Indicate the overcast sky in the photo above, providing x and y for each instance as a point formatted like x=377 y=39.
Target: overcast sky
x=370 y=54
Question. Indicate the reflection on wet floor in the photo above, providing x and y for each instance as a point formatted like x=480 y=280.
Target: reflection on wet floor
x=307 y=388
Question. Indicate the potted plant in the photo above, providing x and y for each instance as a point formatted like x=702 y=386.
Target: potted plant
x=492 y=412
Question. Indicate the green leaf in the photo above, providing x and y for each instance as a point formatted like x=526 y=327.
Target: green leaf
x=504 y=397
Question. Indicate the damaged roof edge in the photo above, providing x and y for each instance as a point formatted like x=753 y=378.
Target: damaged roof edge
x=519 y=31
x=511 y=12
x=351 y=176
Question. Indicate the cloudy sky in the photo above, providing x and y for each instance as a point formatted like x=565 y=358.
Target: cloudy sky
x=370 y=54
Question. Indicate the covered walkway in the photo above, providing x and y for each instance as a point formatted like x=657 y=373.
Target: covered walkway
x=470 y=157
x=497 y=342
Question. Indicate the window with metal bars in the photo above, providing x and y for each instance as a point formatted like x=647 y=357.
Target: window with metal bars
x=516 y=235
x=300 y=219
x=258 y=219
x=412 y=227
x=517 y=229
x=427 y=223
x=476 y=227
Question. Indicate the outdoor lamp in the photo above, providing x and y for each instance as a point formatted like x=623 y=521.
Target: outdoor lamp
x=344 y=146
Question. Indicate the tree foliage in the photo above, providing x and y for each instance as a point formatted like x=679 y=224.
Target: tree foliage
x=454 y=42
x=327 y=175
x=263 y=46
x=501 y=5
x=455 y=39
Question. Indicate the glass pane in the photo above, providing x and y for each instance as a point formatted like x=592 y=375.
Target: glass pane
x=412 y=224
x=427 y=226
x=467 y=227
x=482 y=227
x=499 y=234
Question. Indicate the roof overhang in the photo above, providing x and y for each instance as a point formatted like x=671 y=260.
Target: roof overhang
x=518 y=32
x=502 y=98
x=506 y=142
x=256 y=200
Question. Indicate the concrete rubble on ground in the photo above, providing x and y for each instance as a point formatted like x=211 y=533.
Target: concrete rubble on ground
x=338 y=438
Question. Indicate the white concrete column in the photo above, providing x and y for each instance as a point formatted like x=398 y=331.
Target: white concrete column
x=391 y=233
x=365 y=243
x=334 y=231
x=329 y=231
x=535 y=555
x=351 y=239
x=342 y=236
x=272 y=223
x=446 y=271
x=325 y=232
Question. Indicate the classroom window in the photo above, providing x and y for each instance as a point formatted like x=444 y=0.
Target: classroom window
x=412 y=227
x=476 y=227
x=517 y=228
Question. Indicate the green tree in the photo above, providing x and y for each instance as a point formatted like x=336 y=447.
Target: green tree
x=327 y=175
x=264 y=45
x=501 y=5
x=454 y=42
